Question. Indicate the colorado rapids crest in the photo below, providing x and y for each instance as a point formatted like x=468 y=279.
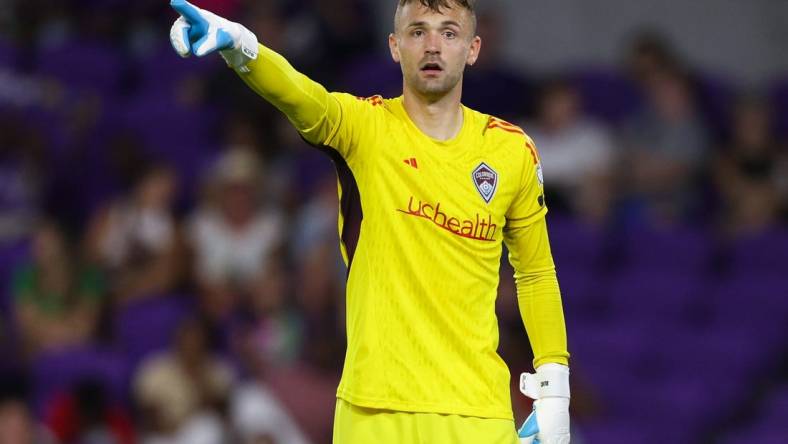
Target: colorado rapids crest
x=486 y=181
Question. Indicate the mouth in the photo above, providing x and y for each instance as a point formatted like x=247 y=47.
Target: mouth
x=431 y=68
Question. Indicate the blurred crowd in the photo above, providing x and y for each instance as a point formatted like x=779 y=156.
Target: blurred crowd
x=168 y=244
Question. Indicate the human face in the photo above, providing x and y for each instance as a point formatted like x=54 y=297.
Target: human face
x=433 y=48
x=157 y=189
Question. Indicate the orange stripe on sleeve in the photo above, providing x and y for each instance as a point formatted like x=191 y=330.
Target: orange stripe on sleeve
x=533 y=150
x=514 y=130
x=503 y=123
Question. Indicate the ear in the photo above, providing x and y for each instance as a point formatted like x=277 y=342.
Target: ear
x=394 y=47
x=473 y=52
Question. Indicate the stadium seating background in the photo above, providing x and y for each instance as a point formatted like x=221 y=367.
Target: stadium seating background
x=677 y=326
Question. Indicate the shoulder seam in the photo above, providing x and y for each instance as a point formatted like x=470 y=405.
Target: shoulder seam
x=496 y=123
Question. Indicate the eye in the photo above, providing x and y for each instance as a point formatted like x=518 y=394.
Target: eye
x=417 y=33
x=449 y=34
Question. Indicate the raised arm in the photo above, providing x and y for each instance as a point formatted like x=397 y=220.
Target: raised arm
x=310 y=108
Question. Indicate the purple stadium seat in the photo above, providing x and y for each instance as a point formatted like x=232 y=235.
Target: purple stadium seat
x=762 y=433
x=626 y=431
x=683 y=403
x=685 y=251
x=615 y=432
x=8 y=55
x=776 y=434
x=646 y=386
x=50 y=125
x=598 y=345
x=715 y=99
x=606 y=93
x=768 y=425
x=765 y=253
x=57 y=371
x=584 y=293
x=711 y=359
x=577 y=281
x=717 y=344
x=758 y=304
x=12 y=255
x=178 y=134
x=371 y=76
x=648 y=401
x=627 y=339
x=780 y=103
x=575 y=244
x=82 y=65
x=147 y=326
x=654 y=295
x=775 y=408
x=161 y=69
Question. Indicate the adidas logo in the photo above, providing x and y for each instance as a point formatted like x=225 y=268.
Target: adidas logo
x=412 y=162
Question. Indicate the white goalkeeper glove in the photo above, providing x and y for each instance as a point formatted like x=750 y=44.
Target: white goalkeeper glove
x=202 y=32
x=549 y=421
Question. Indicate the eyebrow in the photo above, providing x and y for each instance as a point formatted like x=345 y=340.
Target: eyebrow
x=444 y=24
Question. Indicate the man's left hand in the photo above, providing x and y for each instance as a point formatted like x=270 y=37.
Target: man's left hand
x=549 y=421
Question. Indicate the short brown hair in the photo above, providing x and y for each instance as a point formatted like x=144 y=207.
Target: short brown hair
x=438 y=5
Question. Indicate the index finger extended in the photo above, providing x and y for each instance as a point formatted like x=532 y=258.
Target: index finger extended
x=189 y=12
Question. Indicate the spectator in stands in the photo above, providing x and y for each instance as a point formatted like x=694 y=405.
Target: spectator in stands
x=115 y=165
x=85 y=415
x=665 y=147
x=258 y=418
x=649 y=55
x=232 y=234
x=136 y=239
x=319 y=291
x=18 y=426
x=275 y=328
x=257 y=415
x=307 y=386
x=316 y=219
x=20 y=179
x=326 y=35
x=57 y=301
x=183 y=392
x=577 y=154
x=747 y=171
x=17 y=423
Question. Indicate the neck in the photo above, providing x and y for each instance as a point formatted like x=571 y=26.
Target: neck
x=438 y=117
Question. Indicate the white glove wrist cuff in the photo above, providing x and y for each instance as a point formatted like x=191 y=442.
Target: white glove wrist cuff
x=550 y=380
x=244 y=51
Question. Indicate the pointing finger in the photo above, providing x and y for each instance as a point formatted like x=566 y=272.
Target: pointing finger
x=188 y=11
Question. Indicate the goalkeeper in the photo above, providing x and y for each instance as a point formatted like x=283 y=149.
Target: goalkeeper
x=429 y=191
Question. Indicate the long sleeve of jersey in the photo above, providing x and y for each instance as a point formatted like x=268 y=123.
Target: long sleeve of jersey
x=538 y=294
x=307 y=104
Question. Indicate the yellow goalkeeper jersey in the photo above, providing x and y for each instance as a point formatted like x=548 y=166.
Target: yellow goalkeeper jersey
x=421 y=224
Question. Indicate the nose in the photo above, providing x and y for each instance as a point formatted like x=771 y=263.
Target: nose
x=433 y=44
